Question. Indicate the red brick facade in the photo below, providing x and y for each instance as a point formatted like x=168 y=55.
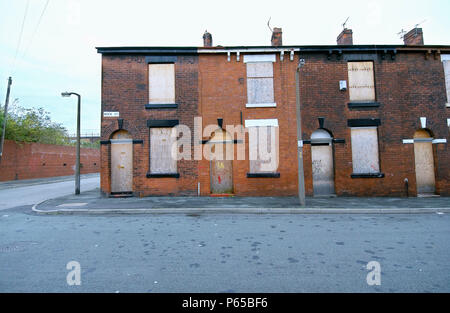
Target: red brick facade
x=36 y=160
x=211 y=84
x=125 y=89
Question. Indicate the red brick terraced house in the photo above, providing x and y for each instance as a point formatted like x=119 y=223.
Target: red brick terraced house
x=375 y=119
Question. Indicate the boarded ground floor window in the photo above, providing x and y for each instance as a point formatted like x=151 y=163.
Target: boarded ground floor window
x=162 y=143
x=365 y=155
x=263 y=149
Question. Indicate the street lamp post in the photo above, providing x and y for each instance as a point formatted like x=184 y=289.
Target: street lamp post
x=77 y=165
x=301 y=174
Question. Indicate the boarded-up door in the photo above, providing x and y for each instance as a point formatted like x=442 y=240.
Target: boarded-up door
x=221 y=167
x=121 y=163
x=322 y=163
x=423 y=154
x=221 y=177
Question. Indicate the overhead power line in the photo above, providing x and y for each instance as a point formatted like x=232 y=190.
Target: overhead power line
x=20 y=35
x=36 y=28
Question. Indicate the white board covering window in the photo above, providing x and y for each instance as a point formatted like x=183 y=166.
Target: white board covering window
x=162 y=143
x=161 y=80
x=365 y=155
x=361 y=81
x=446 y=62
x=263 y=149
x=260 y=84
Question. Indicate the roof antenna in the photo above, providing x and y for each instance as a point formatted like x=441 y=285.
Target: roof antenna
x=268 y=25
x=402 y=33
x=415 y=26
x=345 y=23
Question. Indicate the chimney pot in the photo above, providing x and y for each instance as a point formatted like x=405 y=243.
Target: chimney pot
x=277 y=37
x=414 y=37
x=345 y=38
x=207 y=39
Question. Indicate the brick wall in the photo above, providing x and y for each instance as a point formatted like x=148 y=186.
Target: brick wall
x=125 y=89
x=224 y=95
x=407 y=88
x=36 y=160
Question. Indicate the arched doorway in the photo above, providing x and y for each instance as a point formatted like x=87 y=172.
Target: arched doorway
x=221 y=166
x=322 y=163
x=121 y=163
x=424 y=162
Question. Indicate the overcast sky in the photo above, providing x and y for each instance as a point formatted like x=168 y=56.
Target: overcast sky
x=60 y=54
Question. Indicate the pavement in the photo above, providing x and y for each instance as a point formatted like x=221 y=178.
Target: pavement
x=93 y=202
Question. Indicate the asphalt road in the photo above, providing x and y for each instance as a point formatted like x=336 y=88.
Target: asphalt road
x=224 y=253
x=19 y=193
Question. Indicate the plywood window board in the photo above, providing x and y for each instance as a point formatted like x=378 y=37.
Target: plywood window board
x=361 y=81
x=162 y=141
x=161 y=80
x=263 y=149
x=365 y=155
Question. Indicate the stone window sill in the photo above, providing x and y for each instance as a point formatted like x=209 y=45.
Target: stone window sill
x=368 y=175
x=363 y=105
x=153 y=106
x=263 y=175
x=163 y=175
x=261 y=105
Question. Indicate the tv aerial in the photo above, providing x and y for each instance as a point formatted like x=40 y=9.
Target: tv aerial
x=402 y=33
x=415 y=26
x=268 y=24
x=345 y=23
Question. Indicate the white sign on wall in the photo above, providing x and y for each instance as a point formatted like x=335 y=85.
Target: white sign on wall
x=111 y=114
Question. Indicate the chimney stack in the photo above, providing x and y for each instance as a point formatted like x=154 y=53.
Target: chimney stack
x=207 y=39
x=345 y=38
x=414 y=37
x=277 y=37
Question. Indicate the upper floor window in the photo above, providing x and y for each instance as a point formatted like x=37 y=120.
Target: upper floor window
x=361 y=81
x=260 y=80
x=446 y=62
x=161 y=80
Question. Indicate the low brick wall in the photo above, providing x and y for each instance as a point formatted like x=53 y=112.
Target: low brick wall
x=36 y=160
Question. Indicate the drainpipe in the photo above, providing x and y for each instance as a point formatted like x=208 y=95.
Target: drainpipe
x=301 y=174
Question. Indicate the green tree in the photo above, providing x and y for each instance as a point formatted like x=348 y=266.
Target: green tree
x=32 y=125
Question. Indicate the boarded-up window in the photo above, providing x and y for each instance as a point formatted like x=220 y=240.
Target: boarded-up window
x=365 y=150
x=447 y=78
x=161 y=80
x=361 y=81
x=162 y=160
x=260 y=83
x=263 y=149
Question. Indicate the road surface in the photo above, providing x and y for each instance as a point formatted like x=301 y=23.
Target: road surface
x=19 y=193
x=223 y=253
